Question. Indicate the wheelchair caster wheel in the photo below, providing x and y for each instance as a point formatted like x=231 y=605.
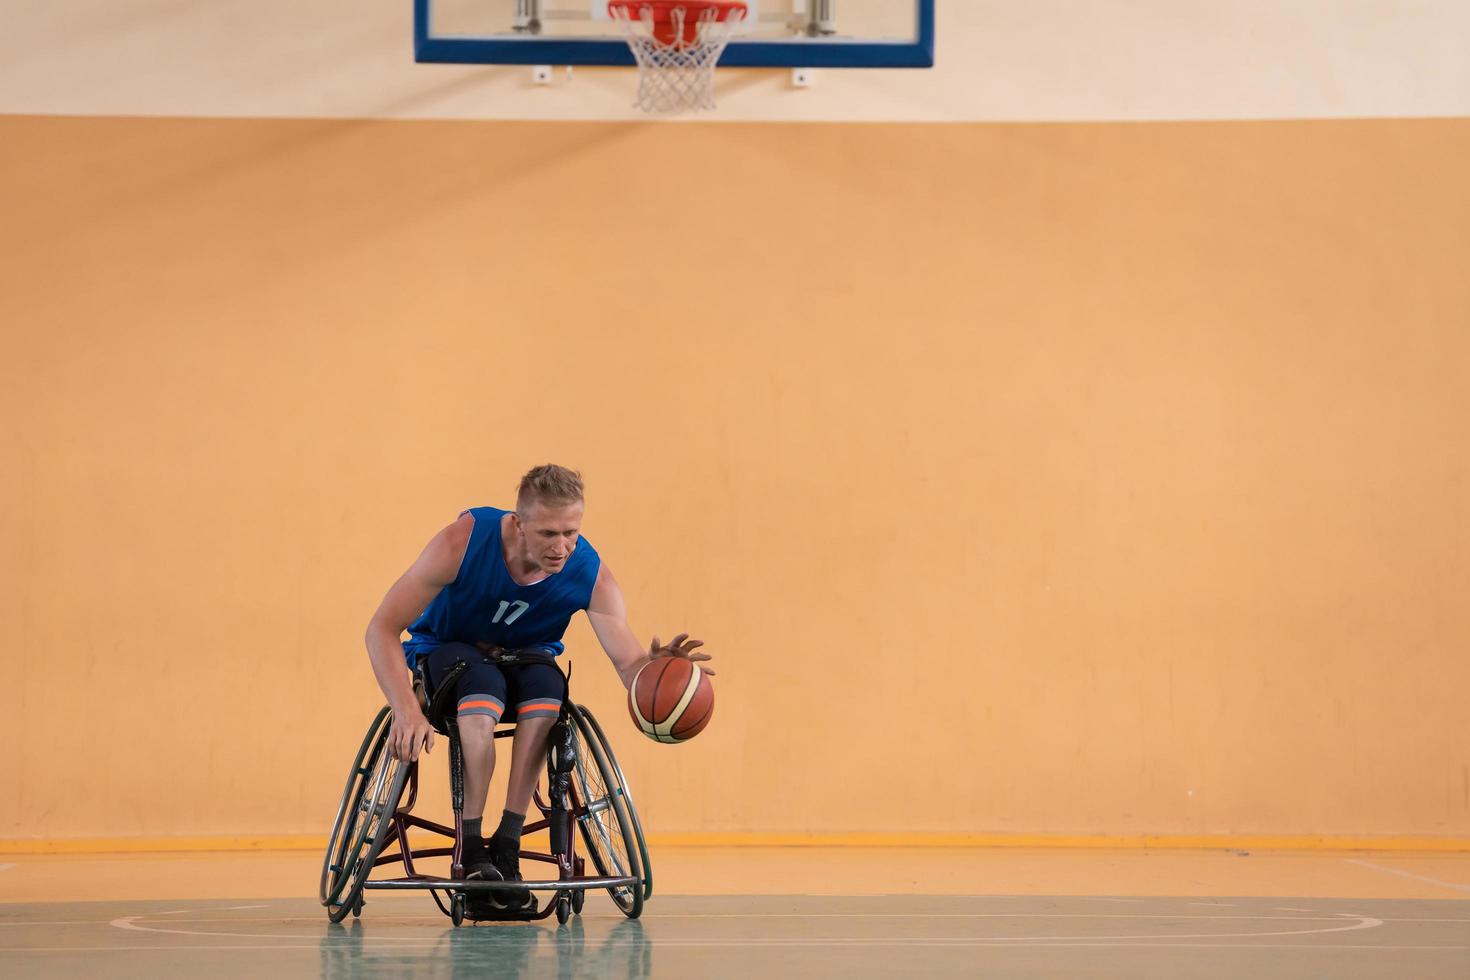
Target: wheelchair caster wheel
x=357 y=907
x=579 y=898
x=456 y=909
x=563 y=909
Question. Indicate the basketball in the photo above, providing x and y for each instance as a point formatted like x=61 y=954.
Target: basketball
x=671 y=699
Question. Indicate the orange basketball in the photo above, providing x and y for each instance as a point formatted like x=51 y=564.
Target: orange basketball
x=671 y=699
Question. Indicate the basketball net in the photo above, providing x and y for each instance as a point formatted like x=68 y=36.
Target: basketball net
x=677 y=44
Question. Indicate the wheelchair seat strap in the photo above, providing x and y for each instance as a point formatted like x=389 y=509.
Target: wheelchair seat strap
x=514 y=658
x=533 y=655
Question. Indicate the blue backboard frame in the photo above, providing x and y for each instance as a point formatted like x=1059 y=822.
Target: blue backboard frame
x=816 y=53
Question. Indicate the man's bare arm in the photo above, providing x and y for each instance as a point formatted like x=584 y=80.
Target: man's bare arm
x=608 y=614
x=435 y=568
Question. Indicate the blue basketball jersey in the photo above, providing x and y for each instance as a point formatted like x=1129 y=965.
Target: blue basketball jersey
x=484 y=604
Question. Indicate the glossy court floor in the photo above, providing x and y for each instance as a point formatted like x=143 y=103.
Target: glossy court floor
x=793 y=912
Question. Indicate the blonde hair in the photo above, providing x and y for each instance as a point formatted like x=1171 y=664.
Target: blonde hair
x=552 y=485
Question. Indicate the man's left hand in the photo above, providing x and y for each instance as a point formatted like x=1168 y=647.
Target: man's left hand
x=680 y=646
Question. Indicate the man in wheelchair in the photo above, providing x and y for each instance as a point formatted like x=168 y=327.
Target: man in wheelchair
x=487 y=590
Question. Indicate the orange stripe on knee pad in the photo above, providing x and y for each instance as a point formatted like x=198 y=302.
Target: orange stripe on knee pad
x=480 y=707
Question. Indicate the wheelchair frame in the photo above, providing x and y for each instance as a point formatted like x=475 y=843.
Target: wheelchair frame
x=372 y=816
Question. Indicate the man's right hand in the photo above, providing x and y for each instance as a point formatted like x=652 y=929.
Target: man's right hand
x=411 y=732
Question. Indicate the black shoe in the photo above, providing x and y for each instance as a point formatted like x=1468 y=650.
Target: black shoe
x=505 y=855
x=479 y=903
x=482 y=869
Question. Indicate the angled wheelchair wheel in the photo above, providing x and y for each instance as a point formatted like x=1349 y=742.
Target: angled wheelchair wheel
x=627 y=792
x=603 y=819
x=364 y=820
x=335 y=874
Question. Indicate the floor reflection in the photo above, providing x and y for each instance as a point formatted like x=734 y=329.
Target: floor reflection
x=603 y=947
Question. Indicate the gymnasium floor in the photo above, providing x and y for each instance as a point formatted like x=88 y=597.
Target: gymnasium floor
x=771 y=912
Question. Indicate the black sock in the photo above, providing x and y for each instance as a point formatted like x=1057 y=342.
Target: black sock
x=510 y=826
x=474 y=845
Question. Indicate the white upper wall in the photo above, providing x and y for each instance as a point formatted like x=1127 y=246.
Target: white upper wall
x=997 y=60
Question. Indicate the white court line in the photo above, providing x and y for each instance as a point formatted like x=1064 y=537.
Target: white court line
x=6 y=867
x=130 y=922
x=395 y=950
x=1363 y=922
x=241 y=908
x=1212 y=905
x=780 y=915
x=1098 y=941
x=978 y=915
x=1326 y=917
x=761 y=915
x=1465 y=889
x=1290 y=910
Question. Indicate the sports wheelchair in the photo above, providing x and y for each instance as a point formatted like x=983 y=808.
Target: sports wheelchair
x=585 y=787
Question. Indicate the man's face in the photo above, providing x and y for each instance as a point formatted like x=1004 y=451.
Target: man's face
x=550 y=534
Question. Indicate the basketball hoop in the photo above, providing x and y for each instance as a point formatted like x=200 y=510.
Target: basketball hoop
x=677 y=44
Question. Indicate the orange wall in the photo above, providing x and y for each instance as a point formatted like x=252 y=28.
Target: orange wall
x=1022 y=478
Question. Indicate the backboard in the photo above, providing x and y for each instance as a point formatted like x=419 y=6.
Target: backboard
x=776 y=34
